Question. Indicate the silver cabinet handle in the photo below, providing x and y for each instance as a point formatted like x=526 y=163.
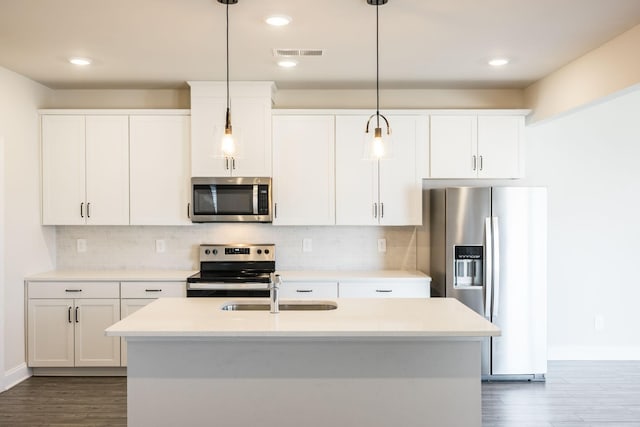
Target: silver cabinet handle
x=304 y=291
x=153 y=290
x=82 y=210
x=233 y=163
x=275 y=210
x=473 y=161
x=375 y=210
x=77 y=318
x=226 y=163
x=384 y=290
x=73 y=290
x=69 y=315
x=88 y=210
x=189 y=210
x=481 y=163
x=381 y=210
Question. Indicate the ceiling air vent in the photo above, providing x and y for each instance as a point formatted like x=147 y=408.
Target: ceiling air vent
x=297 y=52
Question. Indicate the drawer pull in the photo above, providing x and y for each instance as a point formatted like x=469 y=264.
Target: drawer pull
x=304 y=291
x=73 y=290
x=153 y=290
x=384 y=290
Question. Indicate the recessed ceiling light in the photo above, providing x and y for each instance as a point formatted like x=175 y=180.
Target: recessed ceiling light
x=498 y=62
x=278 y=20
x=287 y=63
x=80 y=61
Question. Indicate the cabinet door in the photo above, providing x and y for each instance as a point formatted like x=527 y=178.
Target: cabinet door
x=91 y=318
x=303 y=170
x=63 y=170
x=207 y=127
x=107 y=146
x=356 y=176
x=50 y=332
x=251 y=119
x=127 y=307
x=159 y=165
x=306 y=290
x=400 y=178
x=453 y=142
x=499 y=146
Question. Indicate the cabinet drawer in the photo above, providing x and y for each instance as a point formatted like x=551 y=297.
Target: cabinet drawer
x=316 y=290
x=382 y=289
x=74 y=290
x=153 y=289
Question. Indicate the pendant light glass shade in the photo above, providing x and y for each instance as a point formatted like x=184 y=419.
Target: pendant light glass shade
x=377 y=140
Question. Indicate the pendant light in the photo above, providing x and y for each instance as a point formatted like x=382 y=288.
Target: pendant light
x=228 y=144
x=377 y=145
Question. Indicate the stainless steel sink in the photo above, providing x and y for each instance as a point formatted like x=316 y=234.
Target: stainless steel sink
x=284 y=306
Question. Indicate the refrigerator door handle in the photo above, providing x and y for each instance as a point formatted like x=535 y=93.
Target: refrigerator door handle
x=488 y=280
x=496 y=265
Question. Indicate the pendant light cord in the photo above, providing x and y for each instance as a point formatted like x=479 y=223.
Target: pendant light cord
x=377 y=71
x=228 y=102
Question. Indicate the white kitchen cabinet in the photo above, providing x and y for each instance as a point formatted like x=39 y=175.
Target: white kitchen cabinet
x=251 y=125
x=303 y=170
x=160 y=169
x=384 y=288
x=66 y=323
x=308 y=289
x=136 y=295
x=387 y=191
x=85 y=170
x=476 y=146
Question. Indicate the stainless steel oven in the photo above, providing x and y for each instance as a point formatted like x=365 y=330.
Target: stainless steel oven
x=237 y=199
x=233 y=270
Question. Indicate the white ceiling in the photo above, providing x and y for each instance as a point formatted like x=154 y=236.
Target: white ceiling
x=424 y=43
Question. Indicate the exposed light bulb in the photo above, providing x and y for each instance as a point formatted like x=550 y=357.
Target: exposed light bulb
x=228 y=144
x=377 y=148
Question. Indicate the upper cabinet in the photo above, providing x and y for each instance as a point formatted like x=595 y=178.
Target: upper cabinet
x=303 y=170
x=115 y=167
x=85 y=170
x=476 y=146
x=251 y=124
x=387 y=191
x=159 y=169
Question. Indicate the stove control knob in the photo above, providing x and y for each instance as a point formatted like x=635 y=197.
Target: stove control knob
x=207 y=251
x=259 y=251
x=215 y=252
x=266 y=251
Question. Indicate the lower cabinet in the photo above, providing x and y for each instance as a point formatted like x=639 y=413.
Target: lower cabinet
x=69 y=332
x=136 y=295
x=304 y=290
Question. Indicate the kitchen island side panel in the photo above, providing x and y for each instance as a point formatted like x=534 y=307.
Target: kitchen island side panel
x=292 y=382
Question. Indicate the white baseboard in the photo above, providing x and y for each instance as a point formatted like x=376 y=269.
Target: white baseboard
x=15 y=376
x=592 y=353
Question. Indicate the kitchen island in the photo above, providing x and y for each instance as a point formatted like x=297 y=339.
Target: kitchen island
x=408 y=362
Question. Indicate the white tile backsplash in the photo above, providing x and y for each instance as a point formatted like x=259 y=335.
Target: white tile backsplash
x=334 y=248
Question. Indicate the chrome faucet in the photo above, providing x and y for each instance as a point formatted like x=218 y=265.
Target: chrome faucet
x=274 y=295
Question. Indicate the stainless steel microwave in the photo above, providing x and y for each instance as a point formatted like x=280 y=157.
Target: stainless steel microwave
x=231 y=199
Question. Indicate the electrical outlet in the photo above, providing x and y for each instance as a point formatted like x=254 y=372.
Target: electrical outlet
x=160 y=246
x=382 y=245
x=598 y=322
x=307 y=245
x=81 y=245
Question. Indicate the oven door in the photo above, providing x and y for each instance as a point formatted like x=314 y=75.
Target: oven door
x=234 y=290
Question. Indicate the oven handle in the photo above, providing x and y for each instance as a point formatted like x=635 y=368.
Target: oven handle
x=216 y=285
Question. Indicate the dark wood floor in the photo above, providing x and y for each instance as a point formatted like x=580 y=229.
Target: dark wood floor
x=576 y=394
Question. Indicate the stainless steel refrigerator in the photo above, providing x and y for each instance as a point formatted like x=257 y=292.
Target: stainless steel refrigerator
x=488 y=248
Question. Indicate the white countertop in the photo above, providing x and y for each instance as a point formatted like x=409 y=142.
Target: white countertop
x=112 y=275
x=385 y=318
x=349 y=275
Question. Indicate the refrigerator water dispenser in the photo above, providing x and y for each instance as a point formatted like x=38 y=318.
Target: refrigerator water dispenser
x=467 y=268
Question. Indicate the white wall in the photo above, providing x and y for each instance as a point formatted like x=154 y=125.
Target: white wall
x=28 y=247
x=590 y=162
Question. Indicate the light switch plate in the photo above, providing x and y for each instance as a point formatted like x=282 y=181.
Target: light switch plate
x=160 y=246
x=382 y=245
x=307 y=245
x=81 y=245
